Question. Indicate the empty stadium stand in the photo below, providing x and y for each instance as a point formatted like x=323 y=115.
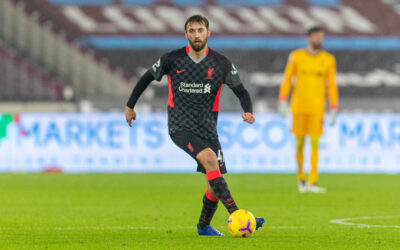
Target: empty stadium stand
x=98 y=48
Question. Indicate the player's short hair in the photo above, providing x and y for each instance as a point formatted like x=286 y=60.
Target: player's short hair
x=314 y=29
x=197 y=19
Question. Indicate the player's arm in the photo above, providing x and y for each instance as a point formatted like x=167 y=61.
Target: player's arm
x=234 y=82
x=332 y=89
x=245 y=102
x=286 y=85
x=137 y=91
x=155 y=73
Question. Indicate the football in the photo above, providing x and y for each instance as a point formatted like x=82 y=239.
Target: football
x=241 y=223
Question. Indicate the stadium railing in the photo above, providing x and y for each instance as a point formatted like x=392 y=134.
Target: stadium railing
x=23 y=81
x=38 y=39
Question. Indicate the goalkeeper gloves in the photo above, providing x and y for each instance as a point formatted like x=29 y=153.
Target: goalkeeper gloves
x=283 y=107
x=332 y=116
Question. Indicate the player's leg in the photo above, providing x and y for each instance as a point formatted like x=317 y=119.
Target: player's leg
x=299 y=130
x=301 y=177
x=209 y=161
x=209 y=165
x=193 y=145
x=316 y=124
x=216 y=147
x=300 y=158
x=313 y=176
x=210 y=200
x=210 y=205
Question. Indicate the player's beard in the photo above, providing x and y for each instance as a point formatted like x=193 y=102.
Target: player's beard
x=316 y=46
x=198 y=47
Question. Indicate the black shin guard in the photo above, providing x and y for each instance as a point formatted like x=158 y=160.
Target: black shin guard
x=207 y=212
x=222 y=191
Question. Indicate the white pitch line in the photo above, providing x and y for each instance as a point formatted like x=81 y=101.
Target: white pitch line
x=345 y=221
x=130 y=228
x=284 y=227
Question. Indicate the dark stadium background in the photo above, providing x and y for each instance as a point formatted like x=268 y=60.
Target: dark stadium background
x=77 y=61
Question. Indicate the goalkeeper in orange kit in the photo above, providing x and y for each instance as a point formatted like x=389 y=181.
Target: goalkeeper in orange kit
x=315 y=72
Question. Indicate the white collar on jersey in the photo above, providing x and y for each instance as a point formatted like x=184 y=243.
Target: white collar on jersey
x=196 y=60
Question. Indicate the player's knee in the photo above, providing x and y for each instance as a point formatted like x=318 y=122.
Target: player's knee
x=299 y=143
x=299 y=147
x=314 y=142
x=209 y=160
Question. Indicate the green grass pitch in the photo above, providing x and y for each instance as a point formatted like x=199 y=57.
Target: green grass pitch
x=160 y=211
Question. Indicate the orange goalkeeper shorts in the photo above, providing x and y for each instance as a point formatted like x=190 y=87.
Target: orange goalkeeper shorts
x=307 y=124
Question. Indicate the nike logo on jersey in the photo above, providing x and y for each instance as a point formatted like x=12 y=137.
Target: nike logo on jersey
x=180 y=71
x=190 y=147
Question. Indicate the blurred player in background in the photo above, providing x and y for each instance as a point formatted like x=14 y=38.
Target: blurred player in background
x=195 y=77
x=315 y=73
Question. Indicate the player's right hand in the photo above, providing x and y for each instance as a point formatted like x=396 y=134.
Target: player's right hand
x=248 y=117
x=130 y=115
x=283 y=107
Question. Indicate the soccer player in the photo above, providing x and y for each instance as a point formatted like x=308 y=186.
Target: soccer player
x=195 y=78
x=315 y=72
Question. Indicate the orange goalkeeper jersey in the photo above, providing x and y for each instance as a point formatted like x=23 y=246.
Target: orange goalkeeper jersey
x=315 y=77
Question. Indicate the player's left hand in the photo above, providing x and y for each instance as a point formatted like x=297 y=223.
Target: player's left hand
x=248 y=117
x=130 y=115
x=332 y=116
